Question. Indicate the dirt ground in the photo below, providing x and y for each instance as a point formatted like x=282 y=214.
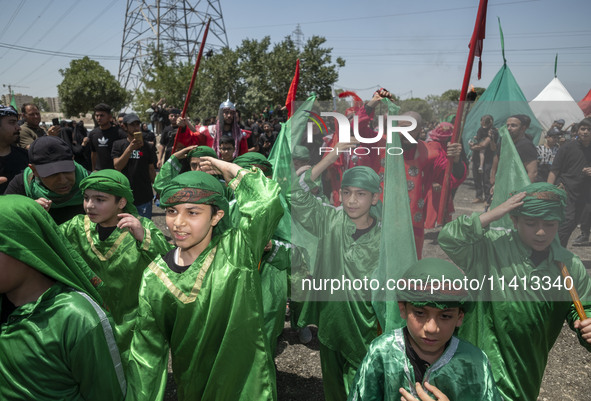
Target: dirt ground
x=299 y=374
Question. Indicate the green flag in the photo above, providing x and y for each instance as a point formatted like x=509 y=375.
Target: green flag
x=289 y=136
x=397 y=244
x=13 y=101
x=511 y=176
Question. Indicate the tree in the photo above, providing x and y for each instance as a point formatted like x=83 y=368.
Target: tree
x=86 y=83
x=420 y=106
x=255 y=75
x=41 y=103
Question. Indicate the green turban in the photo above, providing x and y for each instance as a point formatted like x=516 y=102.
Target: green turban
x=111 y=182
x=29 y=234
x=436 y=283
x=362 y=177
x=542 y=200
x=255 y=159
x=199 y=188
x=201 y=151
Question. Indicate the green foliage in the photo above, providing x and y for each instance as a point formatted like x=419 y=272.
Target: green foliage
x=255 y=75
x=421 y=106
x=41 y=103
x=86 y=83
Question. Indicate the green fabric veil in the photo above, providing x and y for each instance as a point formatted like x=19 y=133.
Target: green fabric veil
x=434 y=282
x=111 y=182
x=542 y=200
x=201 y=151
x=199 y=188
x=255 y=159
x=30 y=235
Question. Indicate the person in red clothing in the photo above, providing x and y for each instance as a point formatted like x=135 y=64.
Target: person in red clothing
x=424 y=162
x=227 y=125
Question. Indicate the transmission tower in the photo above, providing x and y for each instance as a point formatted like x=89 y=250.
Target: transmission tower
x=298 y=37
x=171 y=25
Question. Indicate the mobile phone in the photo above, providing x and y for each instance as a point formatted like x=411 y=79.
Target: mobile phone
x=55 y=121
x=138 y=136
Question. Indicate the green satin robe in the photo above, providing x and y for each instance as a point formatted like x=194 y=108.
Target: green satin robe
x=169 y=170
x=462 y=372
x=119 y=261
x=347 y=323
x=210 y=316
x=60 y=347
x=515 y=335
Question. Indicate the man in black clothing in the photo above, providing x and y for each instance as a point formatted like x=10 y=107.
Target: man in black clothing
x=13 y=160
x=52 y=179
x=167 y=137
x=103 y=137
x=136 y=159
x=571 y=168
x=517 y=125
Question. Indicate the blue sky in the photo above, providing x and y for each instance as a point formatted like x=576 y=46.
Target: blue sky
x=409 y=47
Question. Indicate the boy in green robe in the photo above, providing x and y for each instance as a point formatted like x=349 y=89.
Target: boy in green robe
x=117 y=245
x=526 y=302
x=348 y=245
x=424 y=355
x=56 y=342
x=202 y=301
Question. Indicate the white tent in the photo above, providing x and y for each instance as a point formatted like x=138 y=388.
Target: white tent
x=553 y=103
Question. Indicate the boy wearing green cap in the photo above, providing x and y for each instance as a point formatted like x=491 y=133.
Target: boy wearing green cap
x=525 y=300
x=56 y=341
x=348 y=245
x=425 y=355
x=117 y=245
x=202 y=300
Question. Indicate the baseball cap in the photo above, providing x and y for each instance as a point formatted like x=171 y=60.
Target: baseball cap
x=130 y=118
x=554 y=132
x=51 y=155
x=559 y=121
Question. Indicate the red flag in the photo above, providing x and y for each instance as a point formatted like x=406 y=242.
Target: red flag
x=293 y=88
x=475 y=50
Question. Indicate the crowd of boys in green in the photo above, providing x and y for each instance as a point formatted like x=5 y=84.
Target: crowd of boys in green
x=92 y=309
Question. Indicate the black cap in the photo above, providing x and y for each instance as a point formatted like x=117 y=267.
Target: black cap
x=51 y=155
x=130 y=118
x=554 y=132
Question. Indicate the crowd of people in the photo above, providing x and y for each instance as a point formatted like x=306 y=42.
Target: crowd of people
x=94 y=299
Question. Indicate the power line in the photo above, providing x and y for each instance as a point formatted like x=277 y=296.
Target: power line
x=55 y=53
x=12 y=17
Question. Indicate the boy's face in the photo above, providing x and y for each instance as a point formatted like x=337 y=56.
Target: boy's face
x=357 y=201
x=584 y=134
x=536 y=233
x=430 y=328
x=191 y=224
x=227 y=152
x=102 y=208
x=194 y=163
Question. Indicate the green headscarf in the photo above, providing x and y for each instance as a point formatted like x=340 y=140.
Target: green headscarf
x=362 y=177
x=111 y=182
x=199 y=188
x=300 y=153
x=257 y=160
x=436 y=283
x=542 y=200
x=201 y=151
x=35 y=189
x=29 y=234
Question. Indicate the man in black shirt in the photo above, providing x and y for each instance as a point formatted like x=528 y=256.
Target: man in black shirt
x=571 y=168
x=13 y=160
x=136 y=159
x=103 y=137
x=517 y=125
x=167 y=137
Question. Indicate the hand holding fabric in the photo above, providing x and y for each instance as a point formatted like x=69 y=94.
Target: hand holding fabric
x=585 y=328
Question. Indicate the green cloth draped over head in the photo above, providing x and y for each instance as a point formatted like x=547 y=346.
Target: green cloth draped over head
x=430 y=282
x=201 y=151
x=111 y=182
x=199 y=188
x=542 y=200
x=362 y=177
x=256 y=159
x=35 y=189
x=29 y=234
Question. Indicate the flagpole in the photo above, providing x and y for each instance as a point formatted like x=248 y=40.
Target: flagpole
x=478 y=27
x=188 y=97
